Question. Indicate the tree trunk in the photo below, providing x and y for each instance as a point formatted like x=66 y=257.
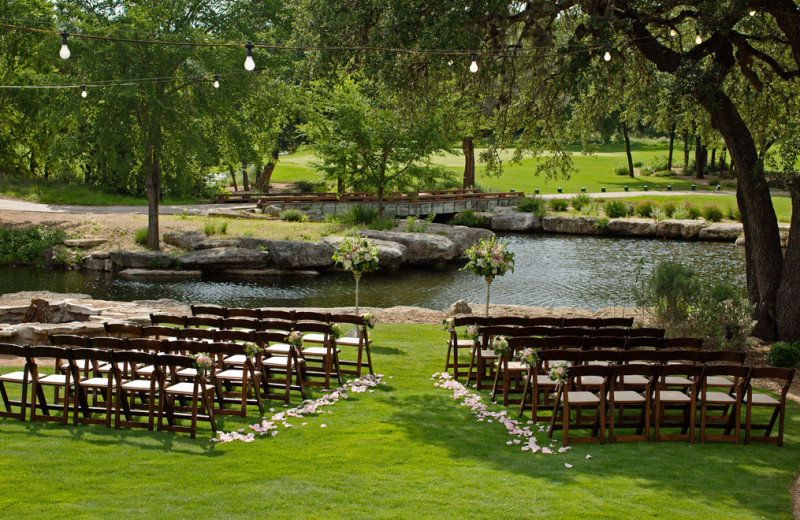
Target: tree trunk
x=671 y=146
x=380 y=201
x=786 y=301
x=233 y=177
x=686 y=148
x=340 y=185
x=152 y=183
x=713 y=158
x=266 y=175
x=33 y=163
x=624 y=128
x=699 y=164
x=245 y=180
x=722 y=154
x=468 y=146
x=764 y=257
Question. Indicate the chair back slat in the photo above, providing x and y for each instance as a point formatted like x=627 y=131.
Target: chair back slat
x=130 y=330
x=167 y=319
x=105 y=342
x=324 y=317
x=240 y=323
x=684 y=343
x=236 y=335
x=204 y=321
x=244 y=312
x=277 y=314
x=11 y=349
x=69 y=340
x=209 y=310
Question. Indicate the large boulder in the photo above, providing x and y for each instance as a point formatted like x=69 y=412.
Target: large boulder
x=513 y=221
x=296 y=254
x=685 y=229
x=224 y=258
x=98 y=262
x=721 y=232
x=632 y=227
x=84 y=243
x=187 y=240
x=423 y=248
x=390 y=254
x=463 y=237
x=571 y=225
x=143 y=260
x=159 y=274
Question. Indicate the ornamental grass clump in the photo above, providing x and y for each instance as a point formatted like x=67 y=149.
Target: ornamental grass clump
x=357 y=255
x=489 y=259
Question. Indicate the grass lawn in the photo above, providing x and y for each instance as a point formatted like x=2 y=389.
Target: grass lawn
x=51 y=192
x=781 y=203
x=408 y=450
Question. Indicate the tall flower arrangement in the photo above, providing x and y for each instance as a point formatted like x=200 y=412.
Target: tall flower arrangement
x=357 y=255
x=489 y=258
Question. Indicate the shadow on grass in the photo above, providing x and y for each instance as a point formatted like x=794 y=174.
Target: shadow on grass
x=388 y=351
x=703 y=473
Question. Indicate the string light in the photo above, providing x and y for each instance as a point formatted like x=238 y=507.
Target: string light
x=752 y=13
x=673 y=32
x=698 y=39
x=607 y=54
x=64 y=52
x=473 y=67
x=449 y=63
x=249 y=64
x=83 y=92
x=216 y=80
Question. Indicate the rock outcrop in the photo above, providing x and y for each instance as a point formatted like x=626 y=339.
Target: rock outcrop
x=512 y=221
x=224 y=258
x=571 y=225
x=143 y=260
x=422 y=248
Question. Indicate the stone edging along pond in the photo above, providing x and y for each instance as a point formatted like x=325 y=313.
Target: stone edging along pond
x=253 y=257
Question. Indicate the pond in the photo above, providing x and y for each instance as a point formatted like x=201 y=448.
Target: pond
x=551 y=271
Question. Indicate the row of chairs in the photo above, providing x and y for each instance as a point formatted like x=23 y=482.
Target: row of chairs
x=483 y=359
x=665 y=396
x=541 y=326
x=282 y=320
x=165 y=388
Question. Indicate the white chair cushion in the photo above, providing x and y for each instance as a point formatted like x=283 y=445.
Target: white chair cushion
x=719 y=398
x=138 y=385
x=678 y=381
x=354 y=342
x=674 y=396
x=635 y=380
x=764 y=400
x=719 y=381
x=317 y=351
x=15 y=377
x=626 y=396
x=187 y=372
x=53 y=379
x=97 y=382
x=576 y=398
x=186 y=388
x=278 y=348
x=314 y=338
x=592 y=380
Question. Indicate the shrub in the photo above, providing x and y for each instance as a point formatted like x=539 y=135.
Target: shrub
x=534 y=204
x=644 y=172
x=644 y=209
x=601 y=223
x=638 y=164
x=621 y=170
x=734 y=213
x=713 y=182
x=669 y=209
x=209 y=229
x=665 y=173
x=308 y=186
x=26 y=245
x=140 y=237
x=723 y=315
x=680 y=213
x=615 y=208
x=658 y=163
x=783 y=354
x=580 y=201
x=558 y=204
x=417 y=225
x=470 y=219
x=712 y=213
x=381 y=223
x=360 y=215
x=669 y=292
x=293 y=215
x=693 y=211
x=659 y=214
x=223 y=228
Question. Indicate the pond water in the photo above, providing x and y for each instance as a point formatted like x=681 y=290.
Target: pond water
x=551 y=270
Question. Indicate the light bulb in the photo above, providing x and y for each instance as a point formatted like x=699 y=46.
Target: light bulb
x=249 y=64
x=216 y=81
x=64 y=52
x=698 y=39
x=673 y=32
x=752 y=13
x=473 y=67
x=607 y=54
x=83 y=92
x=449 y=63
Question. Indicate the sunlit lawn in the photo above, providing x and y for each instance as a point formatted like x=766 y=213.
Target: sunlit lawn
x=408 y=450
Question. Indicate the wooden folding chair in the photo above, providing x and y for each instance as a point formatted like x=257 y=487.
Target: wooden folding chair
x=621 y=397
x=145 y=386
x=123 y=330
x=275 y=325
x=687 y=378
x=238 y=382
x=150 y=346
x=198 y=389
x=727 y=403
x=683 y=343
x=235 y=336
x=207 y=309
x=358 y=339
x=321 y=361
x=641 y=332
x=63 y=381
x=206 y=322
x=759 y=400
x=167 y=320
x=320 y=317
x=240 y=323
x=280 y=369
x=160 y=332
x=604 y=343
x=483 y=360
x=97 y=384
x=613 y=322
x=509 y=369
x=277 y=314
x=22 y=378
x=644 y=343
x=570 y=395
x=244 y=312
x=539 y=388
x=194 y=334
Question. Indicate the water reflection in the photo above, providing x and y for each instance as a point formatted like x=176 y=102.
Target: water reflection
x=553 y=271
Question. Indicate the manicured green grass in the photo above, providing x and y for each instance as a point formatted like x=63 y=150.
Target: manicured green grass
x=408 y=450
x=53 y=192
x=781 y=203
